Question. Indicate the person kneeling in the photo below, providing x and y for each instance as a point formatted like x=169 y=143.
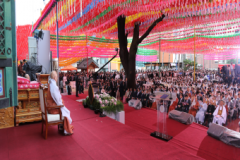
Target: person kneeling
x=220 y=114
x=56 y=99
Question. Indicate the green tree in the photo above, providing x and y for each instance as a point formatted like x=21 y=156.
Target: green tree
x=188 y=64
x=231 y=61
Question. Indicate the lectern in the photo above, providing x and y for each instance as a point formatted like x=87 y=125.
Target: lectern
x=162 y=100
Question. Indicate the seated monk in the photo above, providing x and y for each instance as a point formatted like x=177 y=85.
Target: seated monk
x=173 y=106
x=194 y=106
x=220 y=114
x=54 y=98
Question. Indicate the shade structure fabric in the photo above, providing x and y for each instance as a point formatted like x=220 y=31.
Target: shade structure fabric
x=69 y=68
x=211 y=27
x=23 y=32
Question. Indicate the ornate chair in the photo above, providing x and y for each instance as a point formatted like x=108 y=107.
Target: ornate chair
x=50 y=119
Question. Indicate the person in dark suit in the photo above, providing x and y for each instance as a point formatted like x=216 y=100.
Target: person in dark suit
x=124 y=87
x=186 y=103
x=180 y=100
x=24 y=65
x=121 y=88
x=126 y=84
x=180 y=92
x=77 y=84
x=139 y=94
x=129 y=95
x=144 y=99
x=81 y=88
x=134 y=94
x=108 y=89
x=209 y=113
x=113 y=88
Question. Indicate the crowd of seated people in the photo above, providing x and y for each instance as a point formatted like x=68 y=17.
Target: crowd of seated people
x=209 y=99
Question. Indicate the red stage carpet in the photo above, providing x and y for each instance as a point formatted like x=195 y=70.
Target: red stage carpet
x=192 y=138
x=93 y=138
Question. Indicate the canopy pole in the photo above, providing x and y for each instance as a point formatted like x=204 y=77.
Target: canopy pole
x=203 y=62
x=178 y=61
x=57 y=42
x=87 y=54
x=237 y=60
x=159 y=55
x=194 y=53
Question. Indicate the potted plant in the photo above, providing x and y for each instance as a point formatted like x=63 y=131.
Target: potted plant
x=84 y=103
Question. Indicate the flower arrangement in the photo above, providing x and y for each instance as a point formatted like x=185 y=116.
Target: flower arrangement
x=106 y=103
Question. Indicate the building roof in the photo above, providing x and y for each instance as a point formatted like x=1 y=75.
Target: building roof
x=69 y=68
x=83 y=63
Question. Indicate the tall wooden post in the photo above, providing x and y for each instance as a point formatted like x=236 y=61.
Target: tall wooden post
x=159 y=56
x=87 y=53
x=57 y=42
x=194 y=53
x=178 y=61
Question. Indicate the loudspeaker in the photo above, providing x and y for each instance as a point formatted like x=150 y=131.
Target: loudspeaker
x=216 y=130
x=182 y=117
x=224 y=134
x=231 y=137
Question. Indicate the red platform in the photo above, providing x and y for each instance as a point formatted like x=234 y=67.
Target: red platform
x=192 y=138
x=104 y=138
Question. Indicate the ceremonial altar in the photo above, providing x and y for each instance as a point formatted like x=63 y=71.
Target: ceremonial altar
x=28 y=109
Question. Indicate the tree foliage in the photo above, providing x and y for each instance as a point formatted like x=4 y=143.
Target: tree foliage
x=229 y=61
x=188 y=64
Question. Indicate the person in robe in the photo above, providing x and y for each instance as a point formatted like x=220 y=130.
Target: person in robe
x=173 y=105
x=220 y=114
x=194 y=105
x=21 y=72
x=54 y=98
x=201 y=112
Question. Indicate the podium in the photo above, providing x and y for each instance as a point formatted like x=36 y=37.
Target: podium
x=162 y=101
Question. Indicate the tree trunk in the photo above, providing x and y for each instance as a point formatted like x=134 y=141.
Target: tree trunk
x=128 y=58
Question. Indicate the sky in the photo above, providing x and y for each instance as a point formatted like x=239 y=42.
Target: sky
x=28 y=11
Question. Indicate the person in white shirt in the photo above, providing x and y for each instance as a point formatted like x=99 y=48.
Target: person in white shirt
x=201 y=112
x=220 y=114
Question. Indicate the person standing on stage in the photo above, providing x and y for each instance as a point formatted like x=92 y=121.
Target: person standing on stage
x=76 y=83
x=21 y=72
x=24 y=65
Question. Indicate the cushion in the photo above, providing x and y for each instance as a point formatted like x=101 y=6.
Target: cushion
x=33 y=85
x=22 y=86
x=52 y=117
x=22 y=80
